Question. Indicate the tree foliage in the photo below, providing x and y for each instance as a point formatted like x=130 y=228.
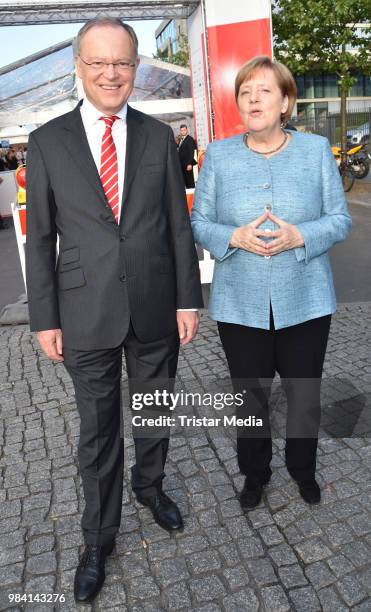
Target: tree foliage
x=322 y=35
x=180 y=58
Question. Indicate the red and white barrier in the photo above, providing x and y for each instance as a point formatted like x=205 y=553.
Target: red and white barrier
x=19 y=220
x=206 y=263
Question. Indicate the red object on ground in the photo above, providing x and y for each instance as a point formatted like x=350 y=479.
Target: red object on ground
x=20 y=176
x=22 y=218
x=190 y=194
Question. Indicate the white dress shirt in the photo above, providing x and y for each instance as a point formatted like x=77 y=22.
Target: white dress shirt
x=95 y=128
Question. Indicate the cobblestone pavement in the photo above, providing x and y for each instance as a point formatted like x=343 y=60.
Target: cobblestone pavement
x=284 y=555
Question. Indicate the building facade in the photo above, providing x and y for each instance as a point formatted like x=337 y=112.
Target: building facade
x=169 y=36
x=318 y=94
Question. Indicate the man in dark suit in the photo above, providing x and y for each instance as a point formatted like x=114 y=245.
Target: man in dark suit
x=186 y=150
x=106 y=180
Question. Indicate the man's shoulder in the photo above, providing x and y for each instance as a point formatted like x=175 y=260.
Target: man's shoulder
x=147 y=120
x=54 y=125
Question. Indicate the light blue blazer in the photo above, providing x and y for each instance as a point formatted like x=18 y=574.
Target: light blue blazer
x=302 y=186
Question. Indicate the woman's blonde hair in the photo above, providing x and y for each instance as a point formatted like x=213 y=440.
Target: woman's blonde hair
x=285 y=80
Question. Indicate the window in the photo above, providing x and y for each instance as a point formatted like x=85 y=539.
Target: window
x=300 y=85
x=312 y=110
x=360 y=86
x=308 y=86
x=318 y=85
x=312 y=86
x=331 y=89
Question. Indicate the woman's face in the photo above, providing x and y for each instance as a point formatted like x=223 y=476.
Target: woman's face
x=260 y=101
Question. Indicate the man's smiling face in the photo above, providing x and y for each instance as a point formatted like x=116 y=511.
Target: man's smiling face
x=107 y=87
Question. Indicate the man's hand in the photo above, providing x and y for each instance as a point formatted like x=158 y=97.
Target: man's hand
x=189 y=167
x=51 y=343
x=247 y=236
x=187 y=325
x=285 y=238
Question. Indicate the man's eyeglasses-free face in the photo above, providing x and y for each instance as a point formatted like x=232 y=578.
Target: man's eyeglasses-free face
x=99 y=66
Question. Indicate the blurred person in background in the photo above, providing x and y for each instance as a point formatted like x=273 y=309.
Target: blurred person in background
x=11 y=160
x=2 y=163
x=186 y=150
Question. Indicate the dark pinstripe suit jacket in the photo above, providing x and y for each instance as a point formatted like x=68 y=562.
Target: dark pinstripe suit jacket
x=144 y=268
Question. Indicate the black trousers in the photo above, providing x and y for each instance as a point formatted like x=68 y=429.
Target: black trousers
x=97 y=380
x=189 y=180
x=297 y=353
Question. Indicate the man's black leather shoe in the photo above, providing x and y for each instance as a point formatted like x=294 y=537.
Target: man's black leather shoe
x=251 y=494
x=310 y=491
x=90 y=574
x=165 y=512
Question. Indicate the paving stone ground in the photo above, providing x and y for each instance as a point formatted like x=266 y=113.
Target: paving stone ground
x=282 y=556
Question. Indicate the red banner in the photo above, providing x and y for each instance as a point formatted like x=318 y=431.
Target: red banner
x=236 y=32
x=230 y=46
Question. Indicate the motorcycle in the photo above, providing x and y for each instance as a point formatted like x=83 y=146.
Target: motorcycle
x=362 y=157
x=345 y=169
x=358 y=159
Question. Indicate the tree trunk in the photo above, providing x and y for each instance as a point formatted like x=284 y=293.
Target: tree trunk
x=343 y=115
x=343 y=129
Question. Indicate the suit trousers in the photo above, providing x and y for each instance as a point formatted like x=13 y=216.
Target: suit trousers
x=297 y=353
x=189 y=181
x=96 y=376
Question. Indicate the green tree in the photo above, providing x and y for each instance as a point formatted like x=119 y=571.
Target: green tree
x=324 y=36
x=180 y=58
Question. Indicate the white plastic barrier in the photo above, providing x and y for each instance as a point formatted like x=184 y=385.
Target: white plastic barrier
x=8 y=192
x=19 y=219
x=206 y=263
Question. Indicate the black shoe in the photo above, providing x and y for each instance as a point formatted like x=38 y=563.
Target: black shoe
x=251 y=494
x=90 y=574
x=310 y=491
x=165 y=511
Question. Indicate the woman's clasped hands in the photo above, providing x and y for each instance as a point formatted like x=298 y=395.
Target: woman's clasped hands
x=249 y=237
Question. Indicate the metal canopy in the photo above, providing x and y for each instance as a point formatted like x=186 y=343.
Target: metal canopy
x=43 y=85
x=28 y=12
x=38 y=82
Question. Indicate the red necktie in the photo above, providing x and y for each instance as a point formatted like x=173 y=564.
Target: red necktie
x=108 y=167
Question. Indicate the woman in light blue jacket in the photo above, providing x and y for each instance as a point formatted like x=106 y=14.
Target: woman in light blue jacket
x=269 y=204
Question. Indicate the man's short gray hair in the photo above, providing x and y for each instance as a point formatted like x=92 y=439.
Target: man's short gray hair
x=102 y=21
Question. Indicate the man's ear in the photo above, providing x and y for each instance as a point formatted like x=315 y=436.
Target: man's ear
x=78 y=67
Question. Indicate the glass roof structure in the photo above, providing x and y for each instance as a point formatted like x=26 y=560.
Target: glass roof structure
x=45 y=83
x=157 y=80
x=27 y=12
x=38 y=83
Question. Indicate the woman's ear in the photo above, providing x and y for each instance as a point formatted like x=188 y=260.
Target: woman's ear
x=285 y=104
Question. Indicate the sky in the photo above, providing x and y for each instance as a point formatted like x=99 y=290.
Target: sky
x=19 y=41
